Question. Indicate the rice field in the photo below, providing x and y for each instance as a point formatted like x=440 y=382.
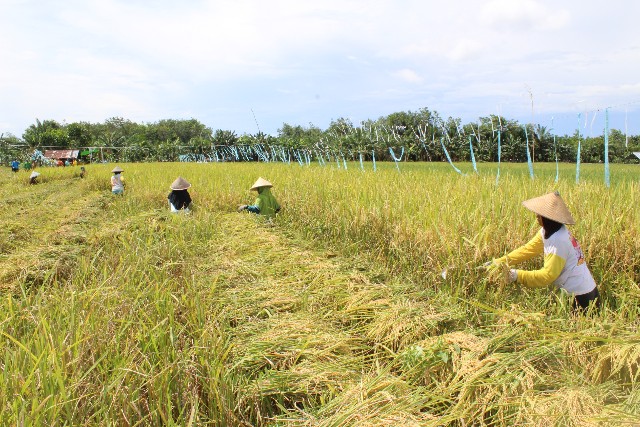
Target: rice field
x=359 y=305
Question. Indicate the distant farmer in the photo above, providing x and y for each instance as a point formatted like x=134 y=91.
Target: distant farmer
x=33 y=178
x=265 y=203
x=15 y=165
x=117 y=183
x=179 y=198
x=83 y=172
x=564 y=264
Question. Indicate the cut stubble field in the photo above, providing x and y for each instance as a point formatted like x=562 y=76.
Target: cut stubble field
x=116 y=312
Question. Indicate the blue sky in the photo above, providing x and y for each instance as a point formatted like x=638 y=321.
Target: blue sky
x=302 y=62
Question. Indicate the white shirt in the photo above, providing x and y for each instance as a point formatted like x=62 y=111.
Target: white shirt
x=116 y=183
x=575 y=277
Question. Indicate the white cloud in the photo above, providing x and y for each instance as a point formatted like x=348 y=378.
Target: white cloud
x=99 y=58
x=466 y=49
x=408 y=76
x=524 y=15
x=215 y=39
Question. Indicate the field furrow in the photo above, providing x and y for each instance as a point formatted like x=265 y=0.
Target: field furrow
x=45 y=228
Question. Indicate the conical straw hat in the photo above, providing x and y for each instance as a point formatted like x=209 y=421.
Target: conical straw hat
x=34 y=174
x=550 y=206
x=261 y=182
x=117 y=169
x=180 y=184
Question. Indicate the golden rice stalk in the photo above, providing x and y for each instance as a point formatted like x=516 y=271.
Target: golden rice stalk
x=567 y=406
x=619 y=361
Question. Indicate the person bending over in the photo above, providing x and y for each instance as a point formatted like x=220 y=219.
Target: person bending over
x=564 y=263
x=179 y=198
x=33 y=178
x=117 y=183
x=265 y=203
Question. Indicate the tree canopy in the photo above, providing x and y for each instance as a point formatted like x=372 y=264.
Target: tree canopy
x=419 y=134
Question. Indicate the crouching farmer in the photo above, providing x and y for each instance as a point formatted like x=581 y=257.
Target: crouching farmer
x=265 y=203
x=179 y=198
x=564 y=263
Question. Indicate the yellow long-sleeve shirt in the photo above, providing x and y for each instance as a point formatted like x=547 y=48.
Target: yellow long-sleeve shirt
x=553 y=263
x=564 y=264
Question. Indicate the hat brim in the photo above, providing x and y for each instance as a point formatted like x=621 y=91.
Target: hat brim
x=550 y=206
x=181 y=187
x=255 y=187
x=180 y=184
x=261 y=183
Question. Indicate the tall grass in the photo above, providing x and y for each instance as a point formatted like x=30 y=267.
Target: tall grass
x=115 y=312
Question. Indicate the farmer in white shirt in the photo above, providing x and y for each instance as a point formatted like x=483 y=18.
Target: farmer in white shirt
x=564 y=263
x=117 y=184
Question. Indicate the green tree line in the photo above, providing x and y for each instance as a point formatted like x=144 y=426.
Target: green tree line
x=418 y=134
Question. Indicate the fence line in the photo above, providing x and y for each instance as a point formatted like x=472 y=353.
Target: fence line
x=304 y=156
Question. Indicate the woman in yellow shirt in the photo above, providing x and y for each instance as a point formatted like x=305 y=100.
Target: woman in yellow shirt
x=564 y=264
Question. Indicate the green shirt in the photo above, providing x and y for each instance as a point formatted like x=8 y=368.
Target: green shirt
x=266 y=203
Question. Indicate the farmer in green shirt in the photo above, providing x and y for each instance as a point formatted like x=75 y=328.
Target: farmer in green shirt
x=265 y=204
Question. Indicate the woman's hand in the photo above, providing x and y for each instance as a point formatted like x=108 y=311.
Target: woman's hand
x=490 y=266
